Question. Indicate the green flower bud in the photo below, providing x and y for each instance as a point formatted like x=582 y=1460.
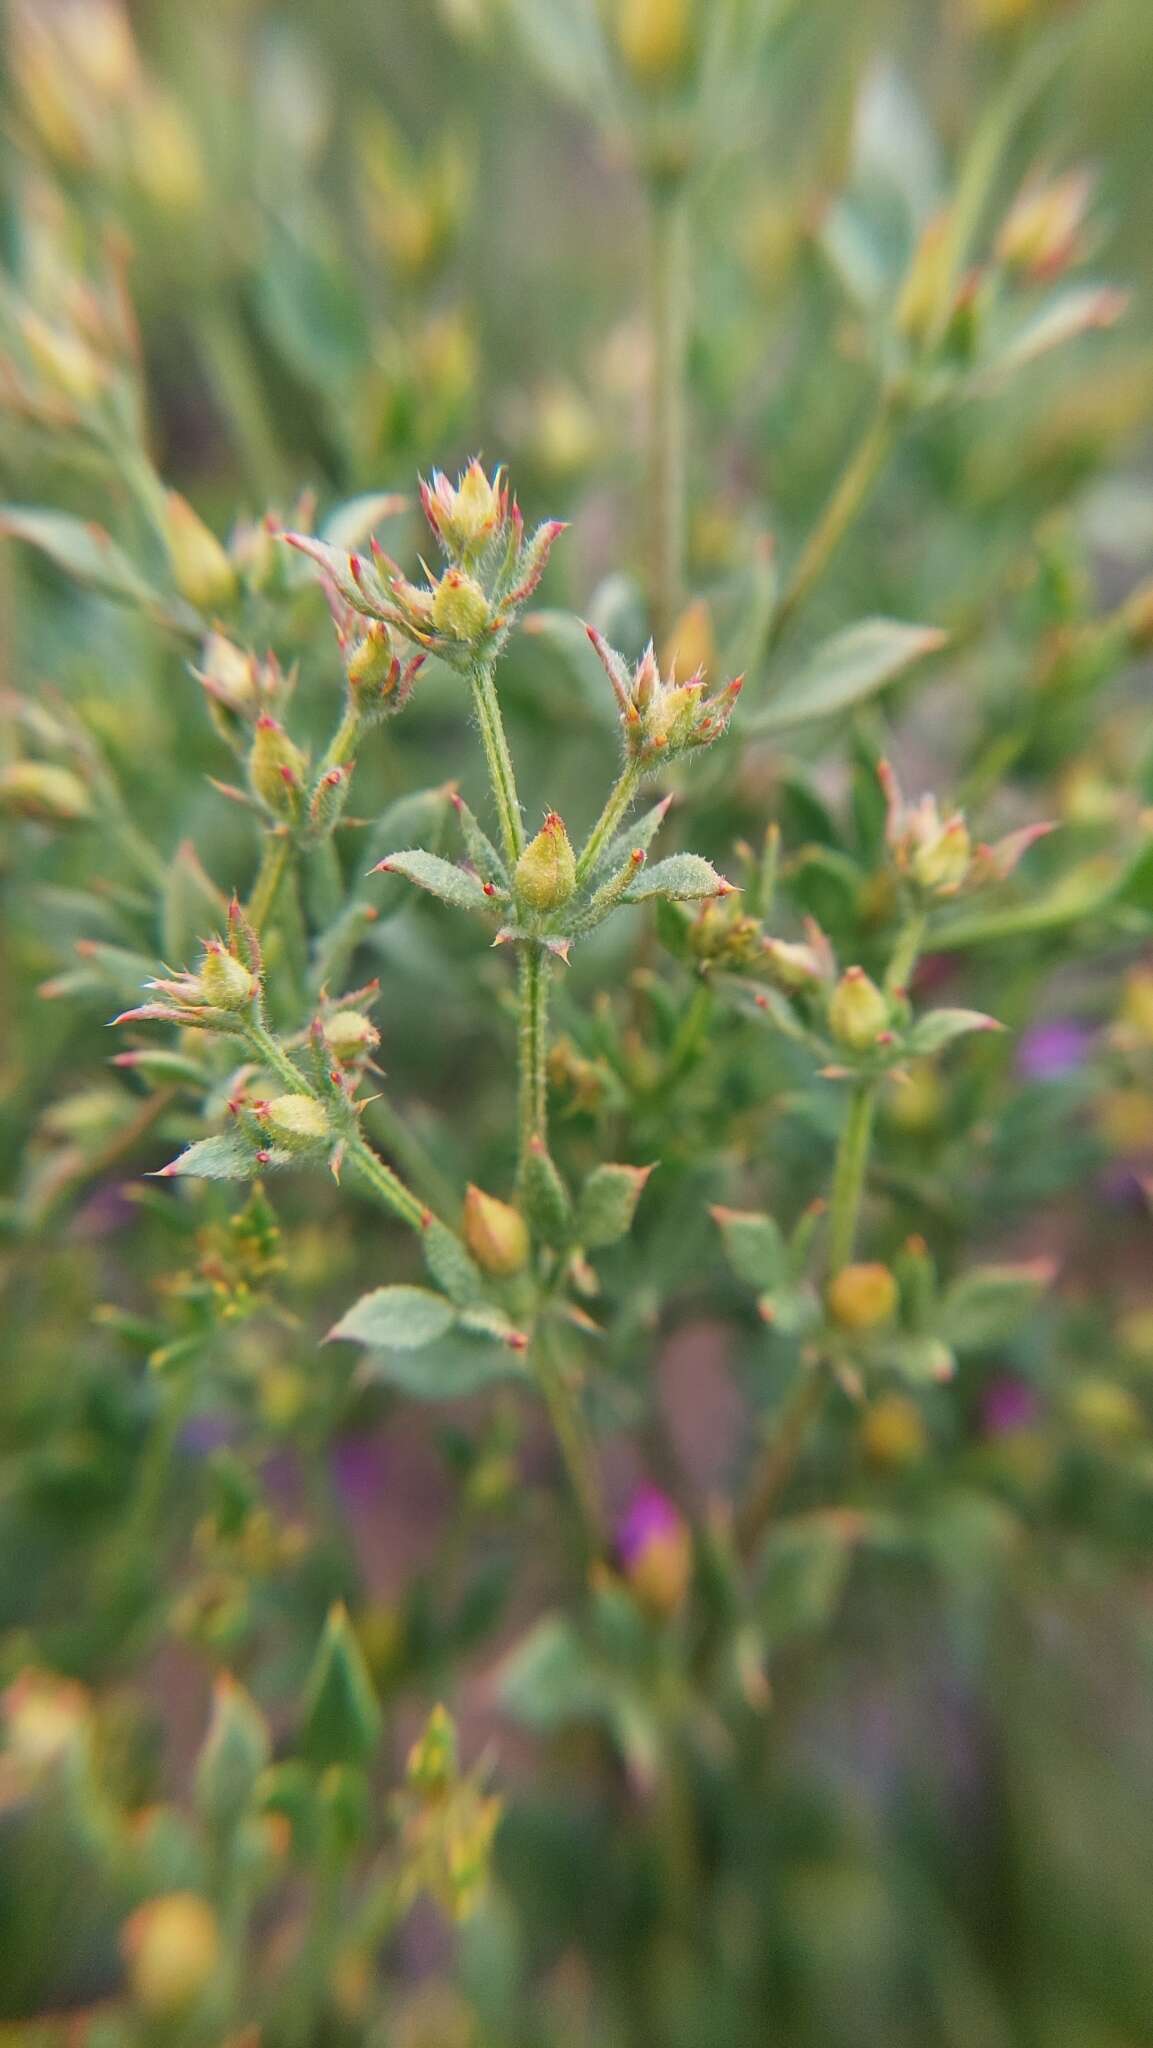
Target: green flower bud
x=858 y=1012
x=350 y=1036
x=546 y=871
x=276 y=770
x=653 y=37
x=460 y=608
x=371 y=667
x=201 y=569
x=495 y=1233
x=224 y=981
x=433 y=1763
x=40 y=789
x=297 y=1122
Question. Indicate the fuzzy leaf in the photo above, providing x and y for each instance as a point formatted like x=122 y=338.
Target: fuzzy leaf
x=439 y=877
x=226 y=1157
x=83 y=550
x=451 y=1265
x=403 y=1318
x=550 y=1678
x=683 y=878
x=641 y=834
x=754 y=1247
x=988 y=1304
x=445 y=1371
x=608 y=1203
x=349 y=525
x=547 y=1202
x=940 y=1027
x=846 y=670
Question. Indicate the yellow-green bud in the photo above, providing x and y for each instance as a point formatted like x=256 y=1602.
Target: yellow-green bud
x=229 y=675
x=892 y=1432
x=940 y=862
x=794 y=967
x=40 y=789
x=372 y=662
x=351 y=1036
x=224 y=980
x=63 y=360
x=297 y=1122
x=172 y=1948
x=460 y=608
x=858 y=1012
x=495 y=1233
x=862 y=1297
x=201 y=569
x=432 y=1761
x=276 y=769
x=546 y=871
x=653 y=37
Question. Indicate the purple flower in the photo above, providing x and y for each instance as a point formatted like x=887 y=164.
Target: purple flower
x=1053 y=1049
x=655 y=1546
x=651 y=1517
x=1009 y=1404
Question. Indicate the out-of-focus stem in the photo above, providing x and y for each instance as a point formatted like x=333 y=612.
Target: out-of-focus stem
x=501 y=775
x=849 y=1175
x=665 y=510
x=274 y=865
x=532 y=1049
x=847 y=499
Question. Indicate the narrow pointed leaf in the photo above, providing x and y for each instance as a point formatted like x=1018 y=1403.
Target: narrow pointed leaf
x=845 y=671
x=400 y=1317
x=439 y=877
x=683 y=878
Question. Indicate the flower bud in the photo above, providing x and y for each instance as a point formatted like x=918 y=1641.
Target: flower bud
x=432 y=1761
x=350 y=1036
x=44 y=1717
x=691 y=646
x=862 y=1297
x=276 y=770
x=371 y=667
x=545 y=874
x=495 y=1233
x=939 y=862
x=656 y=1550
x=794 y=968
x=297 y=1122
x=224 y=981
x=892 y=1432
x=201 y=569
x=858 y=1012
x=1137 y=619
x=172 y=1948
x=923 y=306
x=230 y=676
x=460 y=608
x=653 y=37
x=465 y=516
x=166 y=157
x=1043 y=231
x=64 y=361
x=41 y=789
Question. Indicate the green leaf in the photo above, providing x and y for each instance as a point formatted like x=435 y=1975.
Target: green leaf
x=753 y=1245
x=566 y=41
x=342 y=1717
x=448 y=1370
x=547 y=1202
x=439 y=877
x=403 y=1318
x=349 y=525
x=940 y=1027
x=83 y=550
x=1081 y=892
x=194 y=908
x=479 y=847
x=989 y=1303
x=451 y=1264
x=608 y=1203
x=227 y=1157
x=550 y=1678
x=641 y=834
x=1083 y=309
x=803 y=1573
x=845 y=671
x=683 y=878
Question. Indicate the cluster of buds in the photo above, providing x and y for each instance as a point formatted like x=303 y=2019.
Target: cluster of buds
x=936 y=856
x=222 y=993
x=448 y=1822
x=661 y=717
x=379 y=683
x=857 y=1027
x=492 y=570
x=412 y=206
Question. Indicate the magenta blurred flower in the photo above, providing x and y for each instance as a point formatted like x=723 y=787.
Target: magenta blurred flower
x=1009 y=1404
x=1053 y=1049
x=655 y=1546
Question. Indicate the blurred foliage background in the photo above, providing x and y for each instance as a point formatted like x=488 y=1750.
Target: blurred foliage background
x=892 y=1784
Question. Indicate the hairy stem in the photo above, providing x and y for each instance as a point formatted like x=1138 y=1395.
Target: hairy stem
x=665 y=513
x=905 y=952
x=501 y=775
x=849 y=1175
x=620 y=798
x=532 y=1049
x=274 y=865
x=573 y=1440
x=846 y=501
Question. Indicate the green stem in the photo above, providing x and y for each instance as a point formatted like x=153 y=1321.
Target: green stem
x=666 y=504
x=501 y=775
x=532 y=1049
x=909 y=942
x=573 y=1440
x=229 y=365
x=779 y=1458
x=846 y=500
x=388 y=1185
x=849 y=1175
x=274 y=864
x=619 y=801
